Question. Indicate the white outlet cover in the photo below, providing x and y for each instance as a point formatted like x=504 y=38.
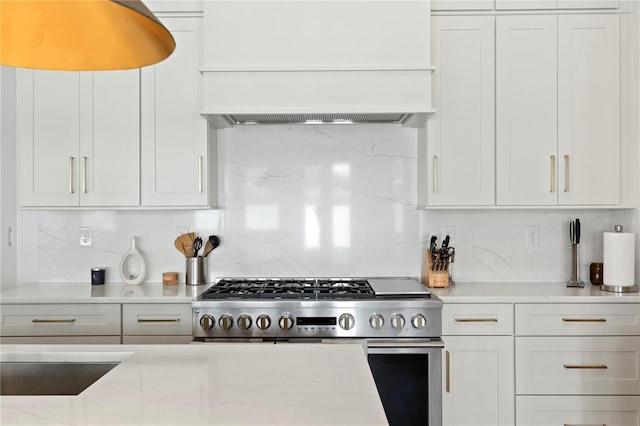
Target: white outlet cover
x=86 y=237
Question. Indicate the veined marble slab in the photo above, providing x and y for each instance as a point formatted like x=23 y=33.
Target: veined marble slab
x=210 y=384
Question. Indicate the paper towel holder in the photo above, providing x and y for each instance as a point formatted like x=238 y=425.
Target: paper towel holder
x=617 y=288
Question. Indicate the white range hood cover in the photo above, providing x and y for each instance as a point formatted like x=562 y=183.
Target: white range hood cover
x=313 y=62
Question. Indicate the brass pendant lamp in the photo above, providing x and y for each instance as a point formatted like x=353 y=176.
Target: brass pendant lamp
x=81 y=35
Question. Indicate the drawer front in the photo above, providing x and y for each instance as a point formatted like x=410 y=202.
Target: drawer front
x=578 y=410
x=61 y=320
x=578 y=365
x=477 y=319
x=595 y=319
x=60 y=340
x=156 y=340
x=157 y=319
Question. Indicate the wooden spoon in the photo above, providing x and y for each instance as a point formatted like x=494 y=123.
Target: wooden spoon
x=186 y=243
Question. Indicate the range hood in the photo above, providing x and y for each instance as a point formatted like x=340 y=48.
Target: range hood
x=316 y=62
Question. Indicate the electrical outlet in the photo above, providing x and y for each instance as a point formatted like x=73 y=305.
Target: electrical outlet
x=532 y=235
x=449 y=230
x=86 y=237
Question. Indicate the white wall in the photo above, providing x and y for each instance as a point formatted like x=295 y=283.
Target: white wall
x=7 y=177
x=314 y=201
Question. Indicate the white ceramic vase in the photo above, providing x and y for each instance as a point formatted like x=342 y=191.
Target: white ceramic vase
x=133 y=266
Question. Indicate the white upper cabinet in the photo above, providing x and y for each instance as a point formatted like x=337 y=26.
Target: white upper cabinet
x=526 y=108
x=589 y=109
x=458 y=165
x=558 y=110
x=78 y=136
x=178 y=165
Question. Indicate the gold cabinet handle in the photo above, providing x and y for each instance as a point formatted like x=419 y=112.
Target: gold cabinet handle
x=53 y=320
x=70 y=175
x=84 y=175
x=159 y=320
x=435 y=173
x=475 y=319
x=553 y=173
x=585 y=367
x=200 y=173
x=584 y=320
x=566 y=173
x=447 y=382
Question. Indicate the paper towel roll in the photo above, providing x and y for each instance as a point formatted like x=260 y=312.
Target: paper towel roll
x=619 y=258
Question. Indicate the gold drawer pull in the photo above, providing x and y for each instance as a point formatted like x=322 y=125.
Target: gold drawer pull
x=587 y=367
x=584 y=320
x=159 y=320
x=53 y=320
x=476 y=320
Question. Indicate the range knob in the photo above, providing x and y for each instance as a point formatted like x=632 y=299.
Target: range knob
x=207 y=322
x=244 y=322
x=346 y=321
x=225 y=321
x=286 y=321
x=418 y=321
x=396 y=320
x=263 y=322
x=376 y=321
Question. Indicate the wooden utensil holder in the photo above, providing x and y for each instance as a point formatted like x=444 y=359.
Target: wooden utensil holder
x=436 y=279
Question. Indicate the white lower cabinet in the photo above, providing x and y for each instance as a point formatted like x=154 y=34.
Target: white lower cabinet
x=577 y=364
x=478 y=378
x=156 y=323
x=61 y=323
x=96 y=323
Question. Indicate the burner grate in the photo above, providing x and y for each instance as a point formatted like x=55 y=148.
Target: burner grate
x=289 y=288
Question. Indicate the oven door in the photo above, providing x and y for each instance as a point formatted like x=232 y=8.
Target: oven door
x=408 y=376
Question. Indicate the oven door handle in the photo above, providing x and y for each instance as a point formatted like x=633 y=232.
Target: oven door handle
x=398 y=347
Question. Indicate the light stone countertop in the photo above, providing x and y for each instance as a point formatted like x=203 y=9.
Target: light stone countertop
x=463 y=292
x=54 y=292
x=206 y=384
x=529 y=293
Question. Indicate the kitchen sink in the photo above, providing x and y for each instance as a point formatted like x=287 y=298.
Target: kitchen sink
x=50 y=378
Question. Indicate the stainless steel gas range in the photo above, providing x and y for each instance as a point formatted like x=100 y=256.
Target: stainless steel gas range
x=398 y=319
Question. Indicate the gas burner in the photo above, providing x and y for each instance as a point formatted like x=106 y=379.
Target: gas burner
x=290 y=288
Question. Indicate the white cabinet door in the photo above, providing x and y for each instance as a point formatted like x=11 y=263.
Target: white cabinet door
x=48 y=111
x=478 y=383
x=78 y=135
x=558 y=112
x=110 y=138
x=589 y=109
x=460 y=154
x=526 y=109
x=177 y=168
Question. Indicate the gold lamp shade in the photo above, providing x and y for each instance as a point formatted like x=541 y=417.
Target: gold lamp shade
x=81 y=35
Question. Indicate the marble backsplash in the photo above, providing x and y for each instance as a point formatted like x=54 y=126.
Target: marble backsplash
x=313 y=201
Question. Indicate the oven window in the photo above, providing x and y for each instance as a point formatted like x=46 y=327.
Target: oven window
x=403 y=385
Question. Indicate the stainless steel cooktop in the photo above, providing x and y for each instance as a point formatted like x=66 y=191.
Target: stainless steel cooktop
x=290 y=308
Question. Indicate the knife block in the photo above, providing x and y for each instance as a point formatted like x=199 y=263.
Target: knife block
x=431 y=278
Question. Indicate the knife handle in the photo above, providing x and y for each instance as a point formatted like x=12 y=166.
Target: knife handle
x=577 y=231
